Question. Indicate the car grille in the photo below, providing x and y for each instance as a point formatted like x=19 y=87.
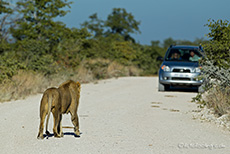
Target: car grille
x=181 y=70
x=181 y=79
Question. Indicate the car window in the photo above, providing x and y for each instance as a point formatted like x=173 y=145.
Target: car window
x=183 y=54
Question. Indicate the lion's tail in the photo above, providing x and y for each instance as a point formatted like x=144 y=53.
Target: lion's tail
x=49 y=111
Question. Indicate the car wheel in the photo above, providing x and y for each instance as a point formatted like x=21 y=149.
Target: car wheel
x=162 y=87
x=201 y=89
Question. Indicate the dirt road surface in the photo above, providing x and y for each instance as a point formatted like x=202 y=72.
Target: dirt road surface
x=117 y=116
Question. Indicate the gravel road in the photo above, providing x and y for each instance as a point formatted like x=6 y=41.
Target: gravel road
x=117 y=116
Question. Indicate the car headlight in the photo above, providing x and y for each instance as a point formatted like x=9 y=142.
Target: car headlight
x=197 y=70
x=165 y=68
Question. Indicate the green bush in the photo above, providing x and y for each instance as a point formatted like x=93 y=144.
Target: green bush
x=217 y=49
x=9 y=66
x=122 y=52
x=43 y=63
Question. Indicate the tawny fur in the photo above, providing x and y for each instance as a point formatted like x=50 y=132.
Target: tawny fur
x=61 y=100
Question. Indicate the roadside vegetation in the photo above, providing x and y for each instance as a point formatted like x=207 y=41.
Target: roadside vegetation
x=216 y=69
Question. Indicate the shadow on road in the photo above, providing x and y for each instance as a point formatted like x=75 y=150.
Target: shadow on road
x=183 y=89
x=65 y=134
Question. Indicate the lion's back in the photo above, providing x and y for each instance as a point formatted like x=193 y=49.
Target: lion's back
x=69 y=91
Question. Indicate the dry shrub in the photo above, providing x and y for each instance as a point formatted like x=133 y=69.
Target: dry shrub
x=83 y=75
x=22 y=85
x=134 y=71
x=98 y=67
x=219 y=100
x=98 y=61
x=115 y=70
x=26 y=83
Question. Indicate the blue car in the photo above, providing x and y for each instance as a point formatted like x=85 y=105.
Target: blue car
x=180 y=68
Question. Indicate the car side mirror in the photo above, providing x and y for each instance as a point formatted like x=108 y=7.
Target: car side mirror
x=159 y=58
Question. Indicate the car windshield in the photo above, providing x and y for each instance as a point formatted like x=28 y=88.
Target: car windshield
x=183 y=54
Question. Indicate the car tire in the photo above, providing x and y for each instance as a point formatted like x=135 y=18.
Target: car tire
x=201 y=89
x=162 y=87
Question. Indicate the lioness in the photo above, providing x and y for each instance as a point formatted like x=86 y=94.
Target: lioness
x=67 y=96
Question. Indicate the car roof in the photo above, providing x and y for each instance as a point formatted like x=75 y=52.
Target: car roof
x=184 y=46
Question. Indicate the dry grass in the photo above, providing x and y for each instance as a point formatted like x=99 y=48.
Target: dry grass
x=84 y=75
x=115 y=70
x=98 y=60
x=218 y=100
x=134 y=71
x=27 y=83
x=22 y=85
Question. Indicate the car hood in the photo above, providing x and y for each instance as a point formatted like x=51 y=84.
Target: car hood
x=180 y=64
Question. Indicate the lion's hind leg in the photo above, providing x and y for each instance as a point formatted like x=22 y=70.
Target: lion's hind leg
x=75 y=121
x=41 y=127
x=43 y=113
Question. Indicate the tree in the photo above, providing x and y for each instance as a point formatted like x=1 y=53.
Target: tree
x=95 y=25
x=37 y=21
x=6 y=21
x=122 y=23
x=119 y=25
x=4 y=7
x=218 y=48
x=169 y=41
x=5 y=12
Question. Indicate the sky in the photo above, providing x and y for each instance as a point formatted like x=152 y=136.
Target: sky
x=160 y=19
